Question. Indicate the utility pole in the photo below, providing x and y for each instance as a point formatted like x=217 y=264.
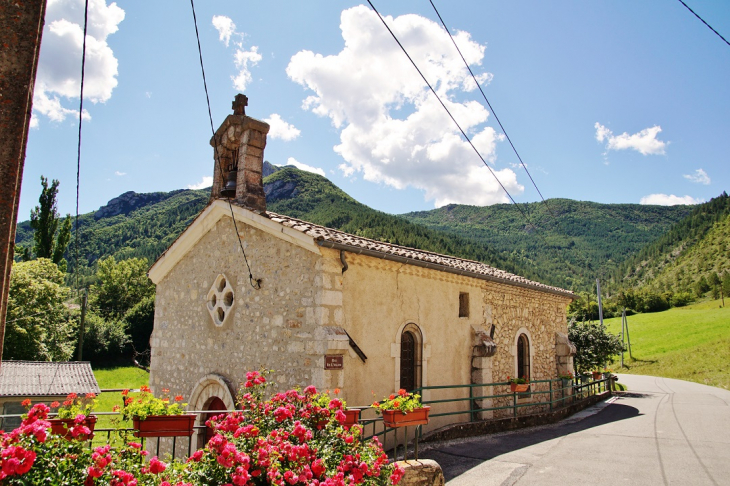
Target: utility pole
x=600 y=304
x=21 y=28
x=80 y=351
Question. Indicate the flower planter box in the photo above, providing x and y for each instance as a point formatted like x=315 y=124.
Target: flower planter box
x=566 y=382
x=63 y=427
x=519 y=388
x=352 y=416
x=396 y=418
x=164 y=426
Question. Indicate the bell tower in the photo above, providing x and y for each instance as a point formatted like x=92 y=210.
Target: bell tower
x=238 y=154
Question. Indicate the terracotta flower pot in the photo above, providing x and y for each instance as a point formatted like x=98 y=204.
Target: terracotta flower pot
x=519 y=388
x=396 y=418
x=63 y=427
x=352 y=416
x=164 y=426
x=597 y=375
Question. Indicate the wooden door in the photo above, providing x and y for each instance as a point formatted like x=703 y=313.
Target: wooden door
x=407 y=361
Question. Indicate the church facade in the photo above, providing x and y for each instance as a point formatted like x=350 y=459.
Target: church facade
x=323 y=307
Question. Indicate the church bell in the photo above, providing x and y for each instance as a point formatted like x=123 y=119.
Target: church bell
x=230 y=188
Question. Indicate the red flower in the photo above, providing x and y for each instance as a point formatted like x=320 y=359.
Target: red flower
x=145 y=388
x=391 y=396
x=402 y=392
x=157 y=466
x=26 y=402
x=55 y=404
x=125 y=393
x=90 y=396
x=178 y=398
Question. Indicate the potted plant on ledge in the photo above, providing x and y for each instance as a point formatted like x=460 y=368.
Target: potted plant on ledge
x=402 y=410
x=518 y=385
x=73 y=417
x=157 y=417
x=566 y=380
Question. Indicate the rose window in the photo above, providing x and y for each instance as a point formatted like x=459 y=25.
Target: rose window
x=220 y=300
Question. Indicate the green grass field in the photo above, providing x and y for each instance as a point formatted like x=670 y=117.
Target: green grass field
x=119 y=377
x=688 y=343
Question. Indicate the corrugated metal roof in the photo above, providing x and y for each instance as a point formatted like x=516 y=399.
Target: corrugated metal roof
x=42 y=378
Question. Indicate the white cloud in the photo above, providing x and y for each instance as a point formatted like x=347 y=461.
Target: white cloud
x=644 y=142
x=242 y=58
x=301 y=166
x=281 y=129
x=700 y=177
x=225 y=27
x=206 y=182
x=59 y=67
x=393 y=130
x=119 y=173
x=668 y=200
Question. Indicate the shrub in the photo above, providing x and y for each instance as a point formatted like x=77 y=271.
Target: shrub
x=594 y=346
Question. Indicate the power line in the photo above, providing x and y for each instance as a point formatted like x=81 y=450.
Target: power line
x=449 y=113
x=524 y=214
x=490 y=107
x=255 y=283
x=703 y=21
x=78 y=149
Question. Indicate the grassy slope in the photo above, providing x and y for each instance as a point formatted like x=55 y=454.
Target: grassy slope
x=121 y=377
x=688 y=343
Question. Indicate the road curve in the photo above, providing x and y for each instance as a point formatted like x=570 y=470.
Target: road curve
x=661 y=432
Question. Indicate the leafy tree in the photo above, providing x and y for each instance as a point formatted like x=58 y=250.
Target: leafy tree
x=140 y=320
x=716 y=285
x=594 y=346
x=38 y=326
x=104 y=340
x=701 y=286
x=121 y=285
x=44 y=220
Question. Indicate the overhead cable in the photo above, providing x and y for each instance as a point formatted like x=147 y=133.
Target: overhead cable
x=703 y=21
x=448 y=112
x=78 y=148
x=490 y=107
x=255 y=283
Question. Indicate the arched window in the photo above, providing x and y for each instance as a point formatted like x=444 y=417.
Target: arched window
x=410 y=358
x=523 y=357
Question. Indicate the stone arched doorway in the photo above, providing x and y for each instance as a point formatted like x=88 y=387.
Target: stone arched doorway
x=203 y=399
x=215 y=405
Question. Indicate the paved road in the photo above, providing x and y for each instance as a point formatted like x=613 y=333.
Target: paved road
x=662 y=431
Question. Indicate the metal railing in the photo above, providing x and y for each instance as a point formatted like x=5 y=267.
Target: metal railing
x=542 y=396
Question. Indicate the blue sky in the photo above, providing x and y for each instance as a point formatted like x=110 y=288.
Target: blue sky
x=607 y=101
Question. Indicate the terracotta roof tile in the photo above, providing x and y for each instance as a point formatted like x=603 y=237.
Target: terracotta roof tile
x=459 y=264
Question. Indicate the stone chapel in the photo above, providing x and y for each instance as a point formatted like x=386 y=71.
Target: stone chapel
x=332 y=309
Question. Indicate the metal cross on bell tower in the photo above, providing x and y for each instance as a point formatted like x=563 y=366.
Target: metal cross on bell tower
x=240 y=102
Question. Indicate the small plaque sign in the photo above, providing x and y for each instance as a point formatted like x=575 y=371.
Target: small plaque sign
x=333 y=362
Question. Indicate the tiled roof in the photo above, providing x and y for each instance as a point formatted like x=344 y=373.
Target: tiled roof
x=42 y=378
x=414 y=256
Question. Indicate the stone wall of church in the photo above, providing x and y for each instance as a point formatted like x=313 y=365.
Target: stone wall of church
x=278 y=327
x=381 y=297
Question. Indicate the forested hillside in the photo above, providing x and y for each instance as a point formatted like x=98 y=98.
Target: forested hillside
x=694 y=247
x=583 y=241
x=571 y=242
